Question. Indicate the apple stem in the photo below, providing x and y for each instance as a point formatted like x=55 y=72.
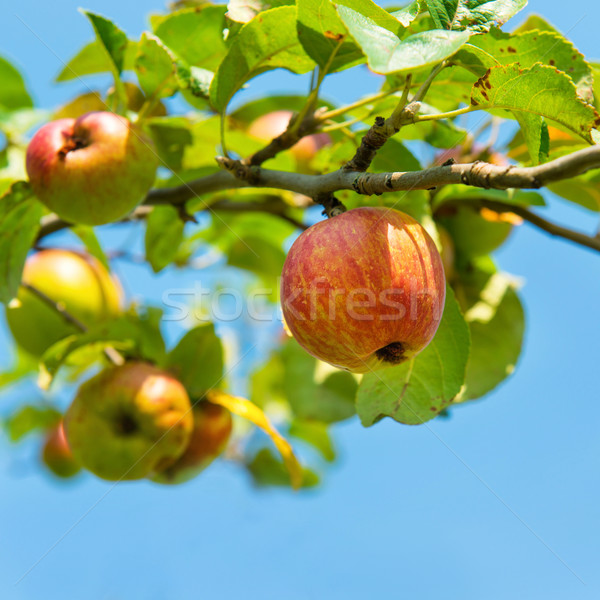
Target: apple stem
x=332 y=207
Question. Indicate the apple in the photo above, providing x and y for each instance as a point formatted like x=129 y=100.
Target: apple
x=477 y=231
x=77 y=281
x=129 y=421
x=363 y=290
x=212 y=429
x=91 y=170
x=57 y=455
x=273 y=124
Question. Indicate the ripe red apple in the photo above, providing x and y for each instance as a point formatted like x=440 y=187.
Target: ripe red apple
x=78 y=282
x=269 y=126
x=212 y=428
x=91 y=170
x=363 y=290
x=57 y=455
x=129 y=421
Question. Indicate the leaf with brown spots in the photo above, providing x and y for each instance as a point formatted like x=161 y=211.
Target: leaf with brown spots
x=540 y=90
x=529 y=48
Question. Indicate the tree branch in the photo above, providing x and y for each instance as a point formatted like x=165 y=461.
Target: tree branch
x=477 y=174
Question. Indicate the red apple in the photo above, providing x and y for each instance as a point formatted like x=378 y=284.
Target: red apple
x=91 y=170
x=363 y=290
x=269 y=126
x=57 y=455
x=129 y=421
x=78 y=282
x=212 y=428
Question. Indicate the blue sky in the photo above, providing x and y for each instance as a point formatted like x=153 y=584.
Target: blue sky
x=500 y=500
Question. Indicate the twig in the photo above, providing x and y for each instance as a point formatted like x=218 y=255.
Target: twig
x=109 y=352
x=554 y=229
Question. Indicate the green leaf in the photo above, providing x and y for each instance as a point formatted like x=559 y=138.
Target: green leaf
x=23 y=365
x=164 y=234
x=154 y=68
x=134 y=335
x=111 y=38
x=395 y=157
x=409 y=13
x=93 y=59
x=266 y=470
x=13 y=92
x=314 y=390
x=196 y=36
x=535 y=134
x=20 y=214
x=322 y=34
x=539 y=90
x=31 y=418
x=386 y=53
x=416 y=391
x=88 y=237
x=496 y=322
x=316 y=434
x=375 y=13
x=463 y=193
x=535 y=22
x=476 y=15
x=242 y=11
x=583 y=190
x=531 y=47
x=171 y=135
x=267 y=42
x=197 y=360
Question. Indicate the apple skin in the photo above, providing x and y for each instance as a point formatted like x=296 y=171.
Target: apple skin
x=273 y=124
x=129 y=421
x=91 y=170
x=57 y=455
x=212 y=429
x=363 y=290
x=78 y=281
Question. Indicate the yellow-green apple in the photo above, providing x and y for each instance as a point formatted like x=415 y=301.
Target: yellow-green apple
x=129 y=421
x=477 y=231
x=91 y=170
x=363 y=290
x=212 y=429
x=78 y=282
x=57 y=455
x=273 y=124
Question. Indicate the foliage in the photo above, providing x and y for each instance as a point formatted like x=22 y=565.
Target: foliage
x=531 y=80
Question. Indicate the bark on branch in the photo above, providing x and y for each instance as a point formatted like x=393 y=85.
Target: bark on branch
x=478 y=174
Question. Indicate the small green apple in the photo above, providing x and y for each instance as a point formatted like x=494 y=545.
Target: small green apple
x=77 y=281
x=129 y=422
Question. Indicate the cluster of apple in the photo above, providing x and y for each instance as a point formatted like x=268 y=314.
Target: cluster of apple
x=130 y=421
x=362 y=290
